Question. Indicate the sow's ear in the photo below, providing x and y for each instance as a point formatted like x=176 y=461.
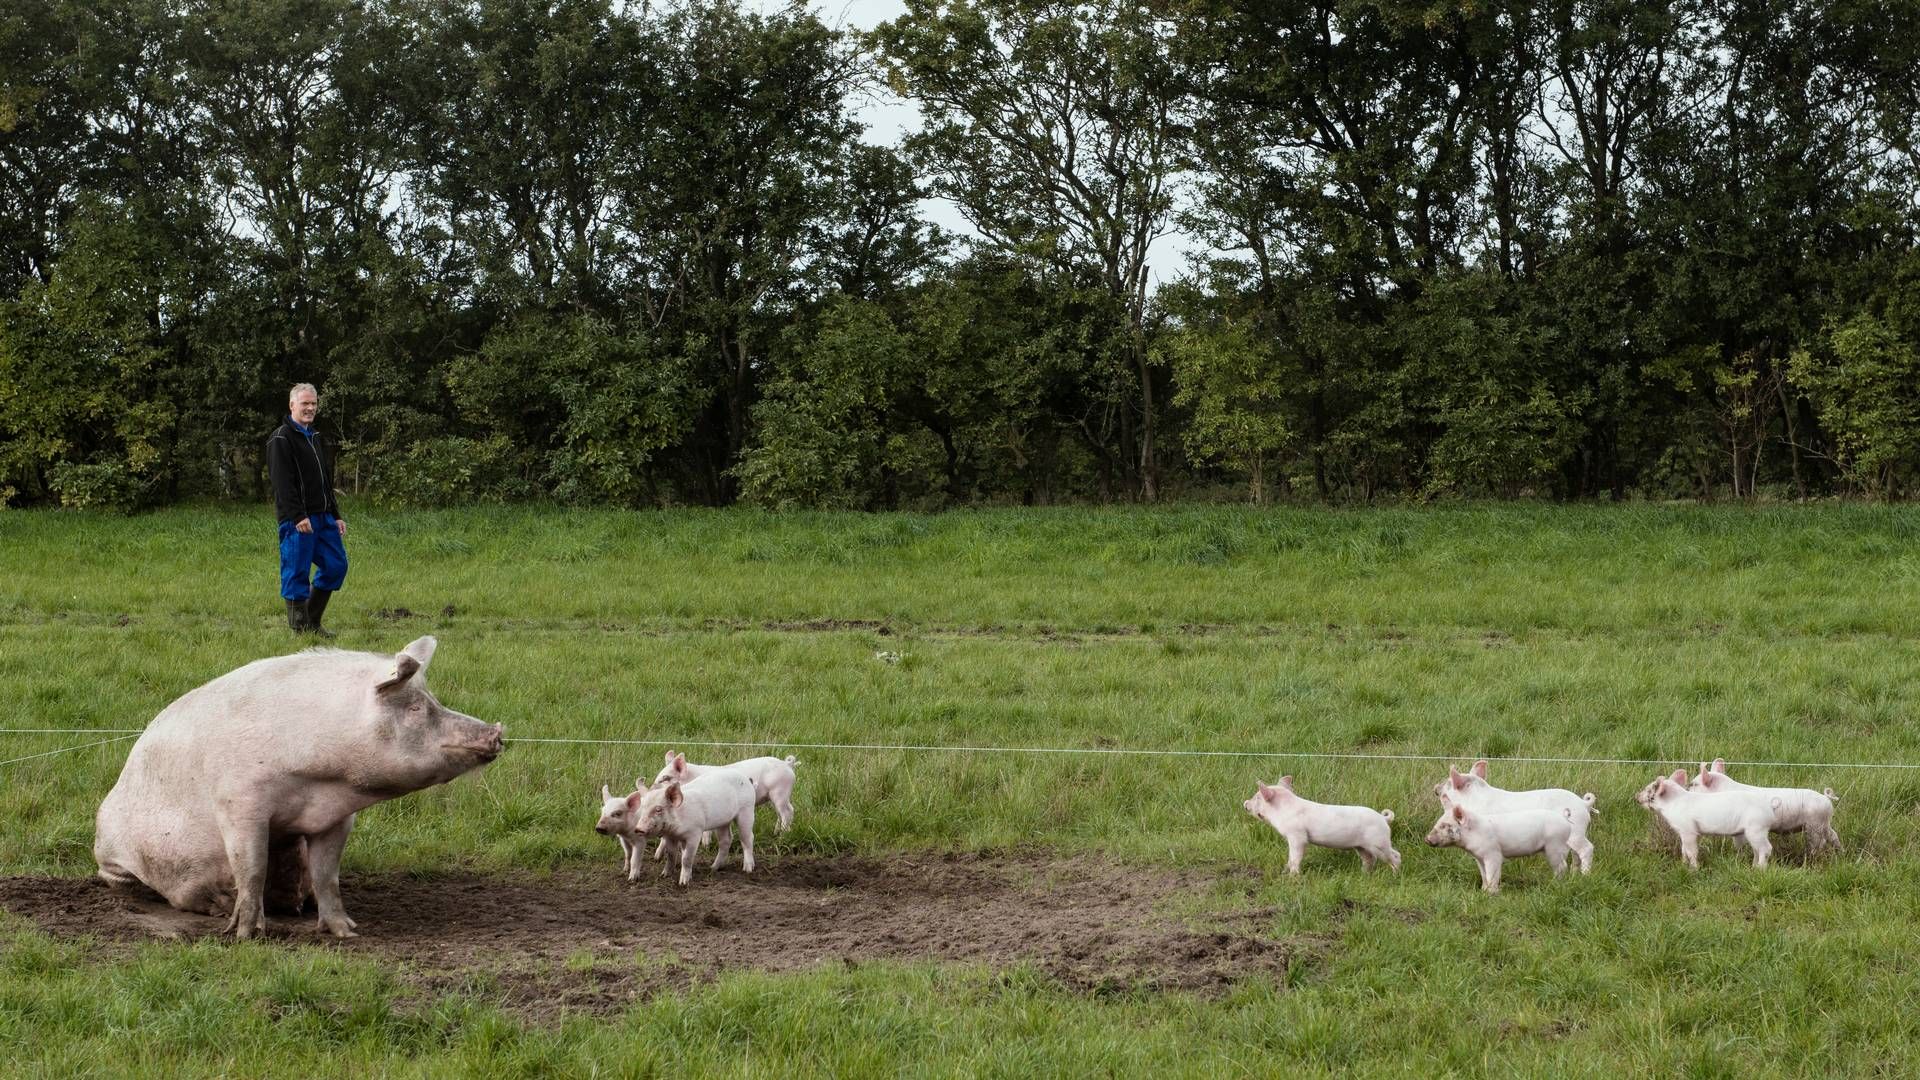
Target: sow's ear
x=409 y=662
x=404 y=667
x=421 y=649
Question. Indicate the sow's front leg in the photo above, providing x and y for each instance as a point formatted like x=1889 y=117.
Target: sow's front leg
x=323 y=857
x=246 y=841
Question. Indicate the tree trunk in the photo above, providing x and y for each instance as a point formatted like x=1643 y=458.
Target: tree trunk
x=1149 y=463
x=1793 y=441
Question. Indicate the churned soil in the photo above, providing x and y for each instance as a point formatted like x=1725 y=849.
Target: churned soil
x=584 y=940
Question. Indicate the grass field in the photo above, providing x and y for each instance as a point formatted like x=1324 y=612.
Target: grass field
x=1669 y=634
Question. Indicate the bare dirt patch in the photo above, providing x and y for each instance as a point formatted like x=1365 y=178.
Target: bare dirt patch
x=589 y=940
x=829 y=626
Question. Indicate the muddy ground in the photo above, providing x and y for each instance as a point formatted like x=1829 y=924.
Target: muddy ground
x=1093 y=926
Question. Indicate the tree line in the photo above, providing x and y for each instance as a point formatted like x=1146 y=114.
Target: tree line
x=637 y=254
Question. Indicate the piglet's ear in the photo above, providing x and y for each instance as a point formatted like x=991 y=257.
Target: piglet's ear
x=1719 y=765
x=674 y=798
x=639 y=783
x=1458 y=778
x=1287 y=782
x=633 y=800
x=405 y=667
x=679 y=763
x=1480 y=769
x=1459 y=812
x=1680 y=777
x=604 y=793
x=669 y=759
x=1267 y=791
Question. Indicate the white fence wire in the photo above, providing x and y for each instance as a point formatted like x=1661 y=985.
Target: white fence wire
x=128 y=733
x=64 y=749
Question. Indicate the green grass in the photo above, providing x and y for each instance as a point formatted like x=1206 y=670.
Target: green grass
x=1663 y=633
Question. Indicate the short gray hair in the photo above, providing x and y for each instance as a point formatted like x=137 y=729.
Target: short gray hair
x=299 y=386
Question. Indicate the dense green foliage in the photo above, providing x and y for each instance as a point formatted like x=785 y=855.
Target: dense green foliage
x=1664 y=633
x=640 y=254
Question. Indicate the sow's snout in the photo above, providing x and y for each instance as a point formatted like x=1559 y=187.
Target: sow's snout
x=484 y=741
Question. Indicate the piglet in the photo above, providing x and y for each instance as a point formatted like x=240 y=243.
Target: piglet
x=620 y=819
x=1474 y=791
x=1493 y=838
x=1303 y=822
x=772 y=779
x=1748 y=812
x=679 y=813
x=1797 y=809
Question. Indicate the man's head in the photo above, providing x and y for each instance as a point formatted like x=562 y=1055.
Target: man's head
x=303 y=403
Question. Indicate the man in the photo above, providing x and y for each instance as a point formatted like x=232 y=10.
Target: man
x=311 y=531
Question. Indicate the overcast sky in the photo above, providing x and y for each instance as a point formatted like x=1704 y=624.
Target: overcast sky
x=888 y=119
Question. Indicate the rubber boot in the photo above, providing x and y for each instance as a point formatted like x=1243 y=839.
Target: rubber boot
x=297 y=616
x=316 y=607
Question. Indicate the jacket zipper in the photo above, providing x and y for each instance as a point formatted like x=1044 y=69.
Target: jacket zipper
x=319 y=466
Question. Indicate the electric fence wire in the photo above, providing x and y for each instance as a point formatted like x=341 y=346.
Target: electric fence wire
x=128 y=733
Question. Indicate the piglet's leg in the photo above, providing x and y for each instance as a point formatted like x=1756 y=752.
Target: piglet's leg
x=1296 y=850
x=745 y=825
x=1761 y=843
x=1490 y=873
x=323 y=859
x=246 y=843
x=1816 y=839
x=1583 y=850
x=726 y=845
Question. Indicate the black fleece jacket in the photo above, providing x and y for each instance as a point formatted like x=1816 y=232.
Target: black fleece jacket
x=302 y=472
